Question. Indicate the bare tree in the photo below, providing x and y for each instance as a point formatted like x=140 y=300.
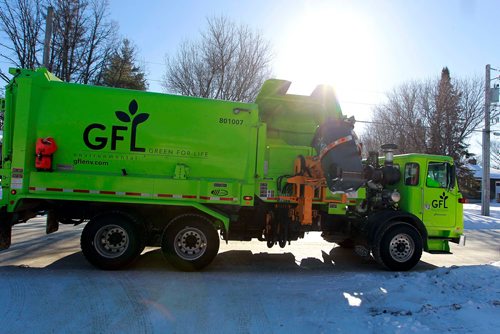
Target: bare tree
x=393 y=120
x=471 y=105
x=83 y=37
x=433 y=116
x=229 y=62
x=100 y=44
x=21 y=22
x=68 y=34
x=495 y=154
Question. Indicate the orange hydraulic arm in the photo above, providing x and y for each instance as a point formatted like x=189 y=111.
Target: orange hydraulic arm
x=308 y=189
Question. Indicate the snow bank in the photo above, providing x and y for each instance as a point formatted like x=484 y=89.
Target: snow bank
x=456 y=299
x=473 y=220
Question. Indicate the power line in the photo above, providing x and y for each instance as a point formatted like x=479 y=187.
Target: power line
x=393 y=124
x=362 y=103
x=151 y=62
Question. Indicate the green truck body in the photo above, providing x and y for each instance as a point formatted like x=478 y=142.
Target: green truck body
x=148 y=169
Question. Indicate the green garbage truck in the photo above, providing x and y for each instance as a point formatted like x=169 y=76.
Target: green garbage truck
x=182 y=173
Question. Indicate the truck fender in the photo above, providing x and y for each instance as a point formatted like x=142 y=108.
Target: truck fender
x=201 y=215
x=378 y=222
x=213 y=214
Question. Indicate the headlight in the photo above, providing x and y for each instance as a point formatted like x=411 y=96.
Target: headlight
x=395 y=196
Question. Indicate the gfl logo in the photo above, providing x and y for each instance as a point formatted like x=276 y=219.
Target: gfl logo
x=96 y=138
x=441 y=202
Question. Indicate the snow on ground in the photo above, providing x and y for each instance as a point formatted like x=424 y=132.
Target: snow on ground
x=473 y=220
x=456 y=299
x=277 y=295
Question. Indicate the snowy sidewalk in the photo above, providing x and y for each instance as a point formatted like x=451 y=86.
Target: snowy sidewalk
x=473 y=220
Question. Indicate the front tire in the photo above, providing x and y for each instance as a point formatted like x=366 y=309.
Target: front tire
x=190 y=242
x=112 y=241
x=398 y=247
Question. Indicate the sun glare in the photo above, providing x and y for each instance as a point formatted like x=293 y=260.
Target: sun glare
x=332 y=46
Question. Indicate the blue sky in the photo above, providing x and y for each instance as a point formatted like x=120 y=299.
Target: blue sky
x=362 y=48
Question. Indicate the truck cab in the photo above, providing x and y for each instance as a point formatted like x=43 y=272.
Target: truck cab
x=429 y=190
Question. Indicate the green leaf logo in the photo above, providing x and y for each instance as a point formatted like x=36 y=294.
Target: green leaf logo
x=122 y=116
x=132 y=109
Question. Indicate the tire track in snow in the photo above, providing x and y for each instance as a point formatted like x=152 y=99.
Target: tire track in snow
x=16 y=290
x=140 y=312
x=116 y=306
x=95 y=310
x=246 y=319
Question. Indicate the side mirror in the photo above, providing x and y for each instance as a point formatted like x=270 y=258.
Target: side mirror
x=452 y=176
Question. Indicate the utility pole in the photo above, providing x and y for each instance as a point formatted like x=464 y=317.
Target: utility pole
x=48 y=35
x=485 y=184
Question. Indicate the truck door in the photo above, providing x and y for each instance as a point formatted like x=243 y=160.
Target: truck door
x=411 y=191
x=439 y=197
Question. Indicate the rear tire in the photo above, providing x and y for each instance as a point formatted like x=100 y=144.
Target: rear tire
x=112 y=240
x=398 y=247
x=190 y=242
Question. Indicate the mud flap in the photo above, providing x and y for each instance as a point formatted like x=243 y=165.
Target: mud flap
x=52 y=223
x=5 y=235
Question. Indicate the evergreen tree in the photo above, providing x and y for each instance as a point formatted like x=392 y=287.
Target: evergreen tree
x=446 y=123
x=122 y=70
x=446 y=129
x=83 y=37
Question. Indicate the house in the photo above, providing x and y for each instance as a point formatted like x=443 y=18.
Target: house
x=494 y=180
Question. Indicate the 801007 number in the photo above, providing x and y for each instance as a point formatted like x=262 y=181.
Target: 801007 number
x=230 y=121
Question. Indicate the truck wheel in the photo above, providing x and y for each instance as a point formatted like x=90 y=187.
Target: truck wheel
x=190 y=242
x=398 y=247
x=112 y=241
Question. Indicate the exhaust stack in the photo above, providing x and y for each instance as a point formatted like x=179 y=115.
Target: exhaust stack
x=388 y=150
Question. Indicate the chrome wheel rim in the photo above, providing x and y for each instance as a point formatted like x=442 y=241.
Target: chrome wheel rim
x=401 y=247
x=190 y=243
x=111 y=241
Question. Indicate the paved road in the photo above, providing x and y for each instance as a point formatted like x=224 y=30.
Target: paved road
x=32 y=248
